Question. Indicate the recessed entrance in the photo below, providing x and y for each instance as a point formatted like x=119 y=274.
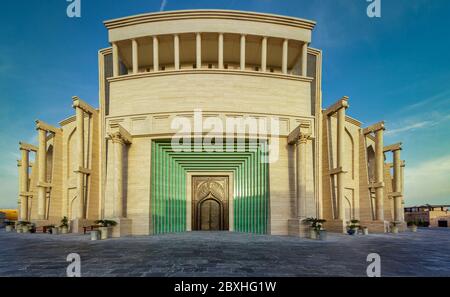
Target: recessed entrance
x=210 y=203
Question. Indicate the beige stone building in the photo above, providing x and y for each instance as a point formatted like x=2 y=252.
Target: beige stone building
x=118 y=161
x=429 y=215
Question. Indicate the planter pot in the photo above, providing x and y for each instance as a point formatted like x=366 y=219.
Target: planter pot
x=19 y=229
x=394 y=229
x=64 y=230
x=365 y=231
x=312 y=234
x=9 y=228
x=413 y=228
x=351 y=231
x=322 y=235
x=25 y=229
x=95 y=235
x=105 y=232
x=55 y=231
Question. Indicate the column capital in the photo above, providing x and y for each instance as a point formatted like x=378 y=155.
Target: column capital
x=374 y=128
x=27 y=147
x=341 y=103
x=78 y=103
x=303 y=138
x=393 y=147
x=118 y=134
x=301 y=133
x=40 y=125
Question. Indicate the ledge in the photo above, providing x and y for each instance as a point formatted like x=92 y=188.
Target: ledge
x=211 y=71
x=208 y=14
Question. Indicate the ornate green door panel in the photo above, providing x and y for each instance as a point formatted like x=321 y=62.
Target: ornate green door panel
x=168 y=184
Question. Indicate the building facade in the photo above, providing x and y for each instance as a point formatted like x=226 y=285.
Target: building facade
x=211 y=120
x=428 y=215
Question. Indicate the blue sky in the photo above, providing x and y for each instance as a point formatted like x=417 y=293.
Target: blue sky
x=395 y=68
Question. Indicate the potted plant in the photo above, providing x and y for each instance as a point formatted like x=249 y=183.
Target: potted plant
x=412 y=226
x=9 y=226
x=394 y=227
x=64 y=225
x=365 y=230
x=49 y=229
x=316 y=231
x=54 y=230
x=105 y=228
x=23 y=227
x=352 y=227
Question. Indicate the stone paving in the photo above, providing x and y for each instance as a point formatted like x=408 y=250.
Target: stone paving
x=224 y=254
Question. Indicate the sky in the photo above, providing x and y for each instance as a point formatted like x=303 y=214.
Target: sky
x=394 y=68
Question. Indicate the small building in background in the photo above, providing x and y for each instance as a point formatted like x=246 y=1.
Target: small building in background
x=429 y=215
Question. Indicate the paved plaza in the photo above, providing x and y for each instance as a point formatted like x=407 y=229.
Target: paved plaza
x=425 y=253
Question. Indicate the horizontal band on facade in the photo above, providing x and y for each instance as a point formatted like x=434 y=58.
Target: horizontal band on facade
x=210 y=71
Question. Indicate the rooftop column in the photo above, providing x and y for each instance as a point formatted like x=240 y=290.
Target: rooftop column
x=198 y=50
x=242 y=52
x=176 y=47
x=285 y=56
x=220 y=51
x=264 y=54
x=155 y=54
x=135 y=50
x=115 y=54
x=305 y=59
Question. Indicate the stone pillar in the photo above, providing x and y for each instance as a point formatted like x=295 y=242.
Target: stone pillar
x=397 y=186
x=115 y=54
x=80 y=162
x=155 y=54
x=119 y=138
x=301 y=175
x=284 y=59
x=135 y=53
x=176 y=47
x=81 y=110
x=198 y=50
x=339 y=108
x=42 y=172
x=243 y=46
x=23 y=181
x=340 y=162
x=264 y=54
x=305 y=59
x=379 y=174
x=220 y=54
x=378 y=185
x=402 y=185
x=118 y=144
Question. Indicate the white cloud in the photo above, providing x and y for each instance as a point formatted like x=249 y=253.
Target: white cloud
x=410 y=127
x=428 y=182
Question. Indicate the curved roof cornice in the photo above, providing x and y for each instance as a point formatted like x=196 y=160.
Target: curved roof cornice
x=208 y=14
